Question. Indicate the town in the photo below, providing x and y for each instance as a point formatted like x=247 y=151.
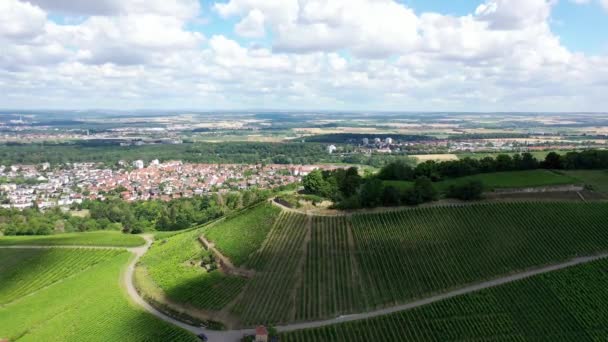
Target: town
x=43 y=186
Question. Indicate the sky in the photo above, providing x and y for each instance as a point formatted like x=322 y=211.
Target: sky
x=385 y=55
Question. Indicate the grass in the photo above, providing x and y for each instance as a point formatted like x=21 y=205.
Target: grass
x=558 y=306
x=512 y=179
x=173 y=264
x=239 y=236
x=97 y=238
x=86 y=304
x=597 y=179
x=502 y=180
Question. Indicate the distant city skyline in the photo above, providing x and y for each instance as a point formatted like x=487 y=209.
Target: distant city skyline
x=345 y=55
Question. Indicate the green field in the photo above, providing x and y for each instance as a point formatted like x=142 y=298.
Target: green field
x=173 y=264
x=269 y=296
x=239 y=236
x=513 y=179
x=597 y=179
x=97 y=238
x=502 y=180
x=371 y=261
x=72 y=295
x=564 y=305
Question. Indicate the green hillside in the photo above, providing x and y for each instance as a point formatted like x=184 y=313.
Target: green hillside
x=564 y=305
x=239 y=236
x=97 y=238
x=83 y=303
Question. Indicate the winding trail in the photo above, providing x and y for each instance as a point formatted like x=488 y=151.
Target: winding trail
x=236 y=335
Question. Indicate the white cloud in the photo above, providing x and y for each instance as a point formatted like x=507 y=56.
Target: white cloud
x=20 y=20
x=604 y=4
x=252 y=26
x=324 y=54
x=514 y=14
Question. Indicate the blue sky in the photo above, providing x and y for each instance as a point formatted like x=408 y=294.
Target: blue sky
x=457 y=55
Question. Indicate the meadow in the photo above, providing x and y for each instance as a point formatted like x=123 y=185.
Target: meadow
x=502 y=180
x=97 y=238
x=597 y=179
x=45 y=300
x=239 y=236
x=557 y=306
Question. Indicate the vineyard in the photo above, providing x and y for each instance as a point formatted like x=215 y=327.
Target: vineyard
x=239 y=236
x=33 y=269
x=81 y=304
x=564 y=305
x=98 y=238
x=412 y=253
x=331 y=281
x=173 y=264
x=269 y=296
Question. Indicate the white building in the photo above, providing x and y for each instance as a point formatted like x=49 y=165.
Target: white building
x=155 y=162
x=138 y=164
x=365 y=141
x=331 y=149
x=388 y=141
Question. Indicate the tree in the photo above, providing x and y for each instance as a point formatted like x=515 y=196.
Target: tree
x=468 y=191
x=371 y=192
x=553 y=161
x=391 y=196
x=425 y=189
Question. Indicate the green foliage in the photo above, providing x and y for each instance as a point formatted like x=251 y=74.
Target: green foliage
x=99 y=238
x=239 y=236
x=174 y=265
x=85 y=303
x=558 y=306
x=467 y=191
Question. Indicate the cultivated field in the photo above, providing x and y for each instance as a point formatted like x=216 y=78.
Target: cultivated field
x=72 y=295
x=270 y=295
x=559 y=306
x=239 y=236
x=97 y=238
x=311 y=268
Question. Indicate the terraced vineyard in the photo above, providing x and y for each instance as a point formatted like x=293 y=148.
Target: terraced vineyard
x=239 y=236
x=565 y=305
x=98 y=238
x=81 y=304
x=269 y=296
x=174 y=265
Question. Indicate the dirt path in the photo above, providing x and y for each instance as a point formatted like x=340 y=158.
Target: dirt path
x=236 y=335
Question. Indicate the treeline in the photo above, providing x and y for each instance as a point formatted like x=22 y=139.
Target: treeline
x=436 y=171
x=220 y=153
x=350 y=191
x=129 y=217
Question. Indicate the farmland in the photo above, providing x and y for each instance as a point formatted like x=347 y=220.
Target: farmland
x=98 y=238
x=43 y=300
x=173 y=264
x=239 y=236
x=395 y=257
x=561 y=305
x=269 y=296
